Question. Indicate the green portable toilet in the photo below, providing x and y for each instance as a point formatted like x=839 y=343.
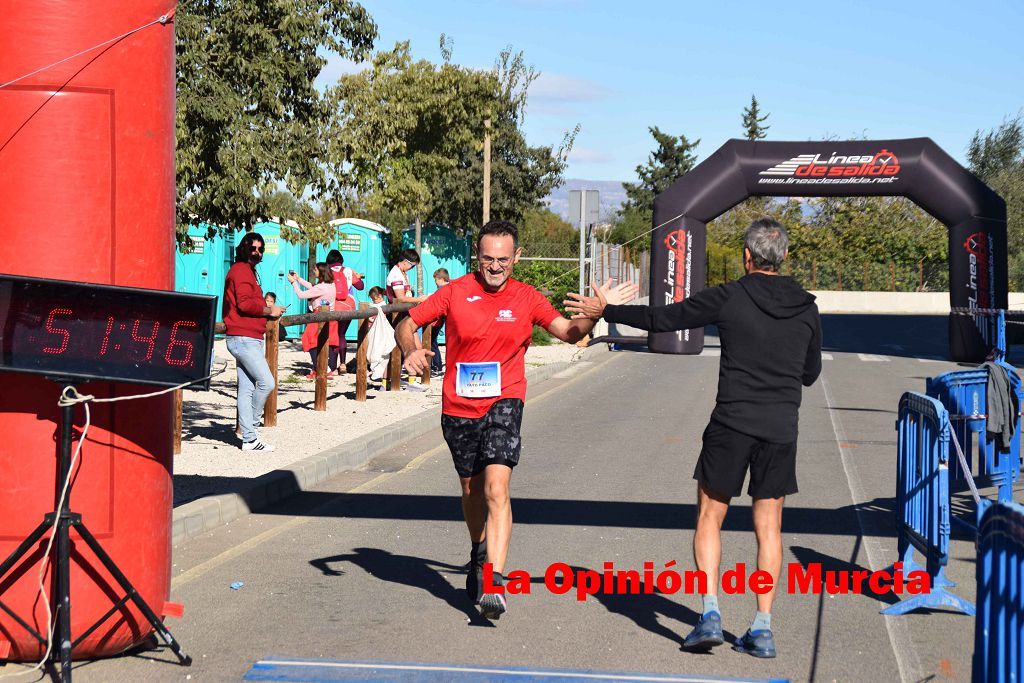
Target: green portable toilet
x=364 y=246
x=280 y=257
x=203 y=269
x=440 y=247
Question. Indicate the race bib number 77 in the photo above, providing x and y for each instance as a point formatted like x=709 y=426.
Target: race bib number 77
x=478 y=380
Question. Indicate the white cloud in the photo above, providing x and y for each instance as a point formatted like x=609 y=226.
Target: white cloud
x=557 y=88
x=586 y=155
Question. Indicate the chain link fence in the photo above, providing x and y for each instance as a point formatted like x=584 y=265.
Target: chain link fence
x=850 y=276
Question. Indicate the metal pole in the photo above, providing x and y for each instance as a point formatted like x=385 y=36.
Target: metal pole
x=583 y=236
x=63 y=592
x=419 y=266
x=487 y=170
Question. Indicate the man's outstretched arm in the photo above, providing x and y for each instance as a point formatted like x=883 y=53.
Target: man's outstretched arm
x=579 y=327
x=699 y=310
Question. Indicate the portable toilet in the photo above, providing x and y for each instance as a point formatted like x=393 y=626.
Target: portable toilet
x=280 y=257
x=203 y=269
x=440 y=247
x=364 y=245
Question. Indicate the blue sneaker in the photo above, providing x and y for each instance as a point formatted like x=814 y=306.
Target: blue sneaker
x=760 y=643
x=706 y=634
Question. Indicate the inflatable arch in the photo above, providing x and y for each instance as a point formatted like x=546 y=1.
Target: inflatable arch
x=914 y=168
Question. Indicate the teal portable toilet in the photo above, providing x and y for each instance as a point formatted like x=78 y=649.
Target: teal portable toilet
x=280 y=257
x=364 y=246
x=203 y=269
x=440 y=247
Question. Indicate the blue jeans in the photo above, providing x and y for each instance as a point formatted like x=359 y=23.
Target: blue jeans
x=255 y=382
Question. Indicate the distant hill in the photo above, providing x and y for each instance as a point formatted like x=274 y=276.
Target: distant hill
x=612 y=196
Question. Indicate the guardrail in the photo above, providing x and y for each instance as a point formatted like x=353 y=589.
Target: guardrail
x=922 y=500
x=999 y=625
x=964 y=394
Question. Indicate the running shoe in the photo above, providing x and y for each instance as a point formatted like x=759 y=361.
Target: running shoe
x=493 y=605
x=706 y=634
x=257 y=445
x=760 y=643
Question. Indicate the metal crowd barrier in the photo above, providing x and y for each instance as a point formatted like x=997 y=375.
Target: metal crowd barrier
x=922 y=500
x=999 y=625
x=964 y=395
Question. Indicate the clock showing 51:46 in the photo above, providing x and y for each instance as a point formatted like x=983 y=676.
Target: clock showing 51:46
x=77 y=330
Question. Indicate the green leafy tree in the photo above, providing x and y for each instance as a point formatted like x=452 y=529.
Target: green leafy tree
x=752 y=121
x=411 y=136
x=997 y=157
x=672 y=158
x=543 y=226
x=249 y=117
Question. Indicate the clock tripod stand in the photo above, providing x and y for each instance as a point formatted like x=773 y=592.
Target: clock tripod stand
x=59 y=522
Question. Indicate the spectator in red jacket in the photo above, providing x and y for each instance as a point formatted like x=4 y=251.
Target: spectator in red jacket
x=245 y=317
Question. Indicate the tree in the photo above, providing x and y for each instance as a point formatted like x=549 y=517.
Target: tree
x=543 y=226
x=752 y=122
x=249 y=117
x=673 y=157
x=411 y=139
x=997 y=150
x=997 y=157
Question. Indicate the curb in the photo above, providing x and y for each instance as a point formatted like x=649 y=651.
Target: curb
x=204 y=514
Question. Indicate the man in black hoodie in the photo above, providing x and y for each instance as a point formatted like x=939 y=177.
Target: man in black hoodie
x=771 y=346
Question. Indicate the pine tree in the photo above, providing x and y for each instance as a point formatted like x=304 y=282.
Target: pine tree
x=673 y=157
x=752 y=122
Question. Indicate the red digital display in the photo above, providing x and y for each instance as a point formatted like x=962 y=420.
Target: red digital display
x=77 y=330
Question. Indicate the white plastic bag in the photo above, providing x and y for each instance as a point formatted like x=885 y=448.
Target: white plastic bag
x=380 y=343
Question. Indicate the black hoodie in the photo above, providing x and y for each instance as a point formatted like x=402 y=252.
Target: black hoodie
x=771 y=345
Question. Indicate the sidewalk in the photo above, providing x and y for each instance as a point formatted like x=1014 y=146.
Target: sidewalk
x=215 y=481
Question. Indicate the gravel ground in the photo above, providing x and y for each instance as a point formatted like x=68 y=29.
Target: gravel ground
x=211 y=460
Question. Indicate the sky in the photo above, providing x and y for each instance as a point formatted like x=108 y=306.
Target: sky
x=866 y=69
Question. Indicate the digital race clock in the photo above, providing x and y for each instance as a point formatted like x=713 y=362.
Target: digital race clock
x=86 y=331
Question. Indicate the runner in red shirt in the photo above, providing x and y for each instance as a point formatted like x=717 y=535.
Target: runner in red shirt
x=490 y=319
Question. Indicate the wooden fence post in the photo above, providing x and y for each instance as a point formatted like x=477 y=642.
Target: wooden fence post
x=272 y=337
x=362 y=369
x=395 y=364
x=428 y=343
x=322 y=351
x=177 y=421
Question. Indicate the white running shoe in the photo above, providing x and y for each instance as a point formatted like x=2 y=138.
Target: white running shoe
x=257 y=445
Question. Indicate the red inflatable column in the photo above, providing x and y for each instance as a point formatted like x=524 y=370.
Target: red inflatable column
x=87 y=193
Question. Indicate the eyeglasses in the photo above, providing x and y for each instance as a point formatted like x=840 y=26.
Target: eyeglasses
x=504 y=262
x=259 y=249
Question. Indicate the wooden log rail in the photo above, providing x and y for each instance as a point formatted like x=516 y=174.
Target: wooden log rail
x=322 y=317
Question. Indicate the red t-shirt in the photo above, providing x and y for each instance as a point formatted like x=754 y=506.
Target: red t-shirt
x=485 y=327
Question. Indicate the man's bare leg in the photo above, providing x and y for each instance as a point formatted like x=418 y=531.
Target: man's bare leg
x=474 y=506
x=768 y=529
x=499 y=514
x=707 y=539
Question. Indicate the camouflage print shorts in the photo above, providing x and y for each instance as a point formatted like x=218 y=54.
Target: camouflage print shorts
x=492 y=439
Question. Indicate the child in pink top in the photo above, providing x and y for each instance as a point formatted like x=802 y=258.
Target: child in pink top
x=321 y=294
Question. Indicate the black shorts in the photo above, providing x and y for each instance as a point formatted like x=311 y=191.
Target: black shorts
x=727 y=454
x=476 y=442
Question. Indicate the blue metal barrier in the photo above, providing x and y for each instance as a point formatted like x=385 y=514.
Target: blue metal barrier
x=922 y=499
x=964 y=394
x=999 y=626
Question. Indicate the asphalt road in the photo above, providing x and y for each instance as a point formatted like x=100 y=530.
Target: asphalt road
x=369 y=567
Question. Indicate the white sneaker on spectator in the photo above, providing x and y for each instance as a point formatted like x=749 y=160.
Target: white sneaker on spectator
x=257 y=445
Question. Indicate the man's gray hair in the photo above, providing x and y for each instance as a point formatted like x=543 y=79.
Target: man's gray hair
x=767 y=241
